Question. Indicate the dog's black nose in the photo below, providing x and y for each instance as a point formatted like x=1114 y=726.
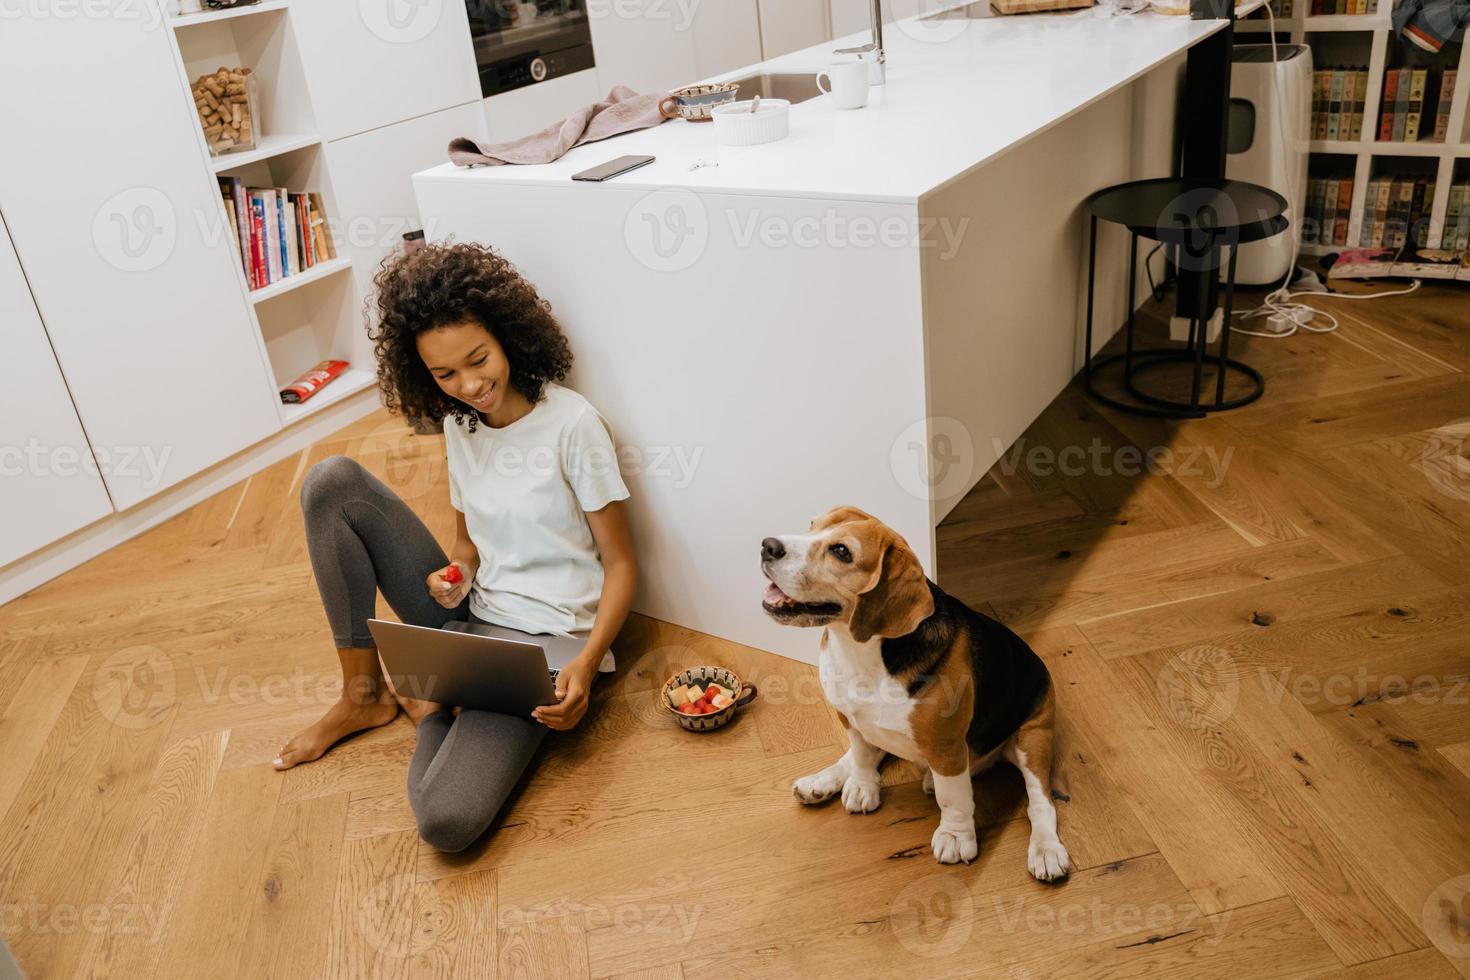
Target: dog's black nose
x=771 y=549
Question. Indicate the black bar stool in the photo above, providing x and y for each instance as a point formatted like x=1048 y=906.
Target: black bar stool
x=1202 y=219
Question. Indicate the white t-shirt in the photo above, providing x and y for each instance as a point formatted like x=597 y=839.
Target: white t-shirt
x=525 y=490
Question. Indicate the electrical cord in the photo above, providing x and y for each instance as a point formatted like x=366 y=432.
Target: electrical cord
x=1279 y=305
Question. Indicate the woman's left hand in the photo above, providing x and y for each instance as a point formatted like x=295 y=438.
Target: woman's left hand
x=572 y=690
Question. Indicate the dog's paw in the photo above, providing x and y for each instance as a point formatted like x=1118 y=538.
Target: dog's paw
x=929 y=781
x=1048 y=859
x=817 y=787
x=861 y=795
x=954 y=846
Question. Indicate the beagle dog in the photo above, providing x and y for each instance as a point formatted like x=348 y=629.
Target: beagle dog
x=918 y=674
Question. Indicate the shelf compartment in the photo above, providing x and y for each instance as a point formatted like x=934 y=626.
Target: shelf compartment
x=317 y=272
x=272 y=145
x=182 y=21
x=346 y=384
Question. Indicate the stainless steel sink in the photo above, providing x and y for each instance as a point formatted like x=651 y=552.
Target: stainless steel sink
x=794 y=87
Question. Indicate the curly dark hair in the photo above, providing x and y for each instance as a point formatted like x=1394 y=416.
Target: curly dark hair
x=440 y=285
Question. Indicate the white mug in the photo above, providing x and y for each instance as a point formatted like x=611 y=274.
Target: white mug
x=847 y=84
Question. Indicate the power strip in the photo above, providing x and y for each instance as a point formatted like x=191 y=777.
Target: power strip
x=1179 y=327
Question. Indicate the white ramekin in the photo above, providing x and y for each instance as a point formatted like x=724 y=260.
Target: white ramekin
x=735 y=125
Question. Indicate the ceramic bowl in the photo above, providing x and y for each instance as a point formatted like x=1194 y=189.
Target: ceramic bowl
x=736 y=125
x=703 y=676
x=695 y=102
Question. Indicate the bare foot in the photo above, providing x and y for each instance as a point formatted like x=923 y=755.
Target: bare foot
x=418 y=710
x=342 y=719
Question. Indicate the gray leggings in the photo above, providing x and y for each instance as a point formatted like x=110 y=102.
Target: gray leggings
x=363 y=538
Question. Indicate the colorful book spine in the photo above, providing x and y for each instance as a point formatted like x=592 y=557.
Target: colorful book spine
x=1319 y=106
x=1446 y=99
x=1343 y=211
x=1401 y=104
x=1312 y=219
x=1457 y=196
x=1418 y=78
x=1365 y=223
x=1334 y=104
x=1360 y=103
x=1390 y=96
x=1380 y=211
x=257 y=240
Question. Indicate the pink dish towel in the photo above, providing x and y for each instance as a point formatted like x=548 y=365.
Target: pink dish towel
x=623 y=111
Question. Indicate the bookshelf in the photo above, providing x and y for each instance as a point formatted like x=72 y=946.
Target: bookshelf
x=313 y=314
x=1369 y=40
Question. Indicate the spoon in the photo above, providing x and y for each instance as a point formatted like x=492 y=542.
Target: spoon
x=755 y=105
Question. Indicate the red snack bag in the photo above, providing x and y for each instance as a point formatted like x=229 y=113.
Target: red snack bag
x=312 y=382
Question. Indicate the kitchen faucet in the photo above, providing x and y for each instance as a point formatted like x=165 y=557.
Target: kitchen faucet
x=872 y=52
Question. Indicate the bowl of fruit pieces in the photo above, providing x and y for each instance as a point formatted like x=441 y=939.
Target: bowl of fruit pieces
x=704 y=698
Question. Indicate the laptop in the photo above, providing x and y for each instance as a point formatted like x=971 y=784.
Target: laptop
x=491 y=668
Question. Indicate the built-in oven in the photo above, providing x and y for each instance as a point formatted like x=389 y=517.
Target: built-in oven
x=520 y=44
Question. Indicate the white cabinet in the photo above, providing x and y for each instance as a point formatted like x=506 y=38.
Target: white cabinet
x=520 y=112
x=855 y=16
x=374 y=191
x=726 y=36
x=370 y=63
x=849 y=16
x=644 y=45
x=118 y=223
x=50 y=480
x=790 y=25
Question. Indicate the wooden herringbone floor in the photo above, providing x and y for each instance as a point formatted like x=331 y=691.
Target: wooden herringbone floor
x=1260 y=651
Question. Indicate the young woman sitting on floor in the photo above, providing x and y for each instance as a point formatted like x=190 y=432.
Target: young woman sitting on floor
x=542 y=542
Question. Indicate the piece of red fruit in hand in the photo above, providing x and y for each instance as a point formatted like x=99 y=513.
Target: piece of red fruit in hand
x=453 y=575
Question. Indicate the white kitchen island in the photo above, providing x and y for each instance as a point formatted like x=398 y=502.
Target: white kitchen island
x=868 y=312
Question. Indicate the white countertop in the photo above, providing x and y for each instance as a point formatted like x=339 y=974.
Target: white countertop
x=959 y=93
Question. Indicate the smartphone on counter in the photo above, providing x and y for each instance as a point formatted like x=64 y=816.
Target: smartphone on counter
x=613 y=168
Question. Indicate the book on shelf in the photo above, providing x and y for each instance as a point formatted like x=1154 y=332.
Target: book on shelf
x=1339 y=96
x=1329 y=205
x=275 y=233
x=1396 y=240
x=1418 y=77
x=1447 y=81
x=1390 y=96
x=1400 y=104
x=1334 y=105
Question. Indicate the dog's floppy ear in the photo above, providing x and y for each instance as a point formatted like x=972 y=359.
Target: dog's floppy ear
x=840 y=515
x=898 y=602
